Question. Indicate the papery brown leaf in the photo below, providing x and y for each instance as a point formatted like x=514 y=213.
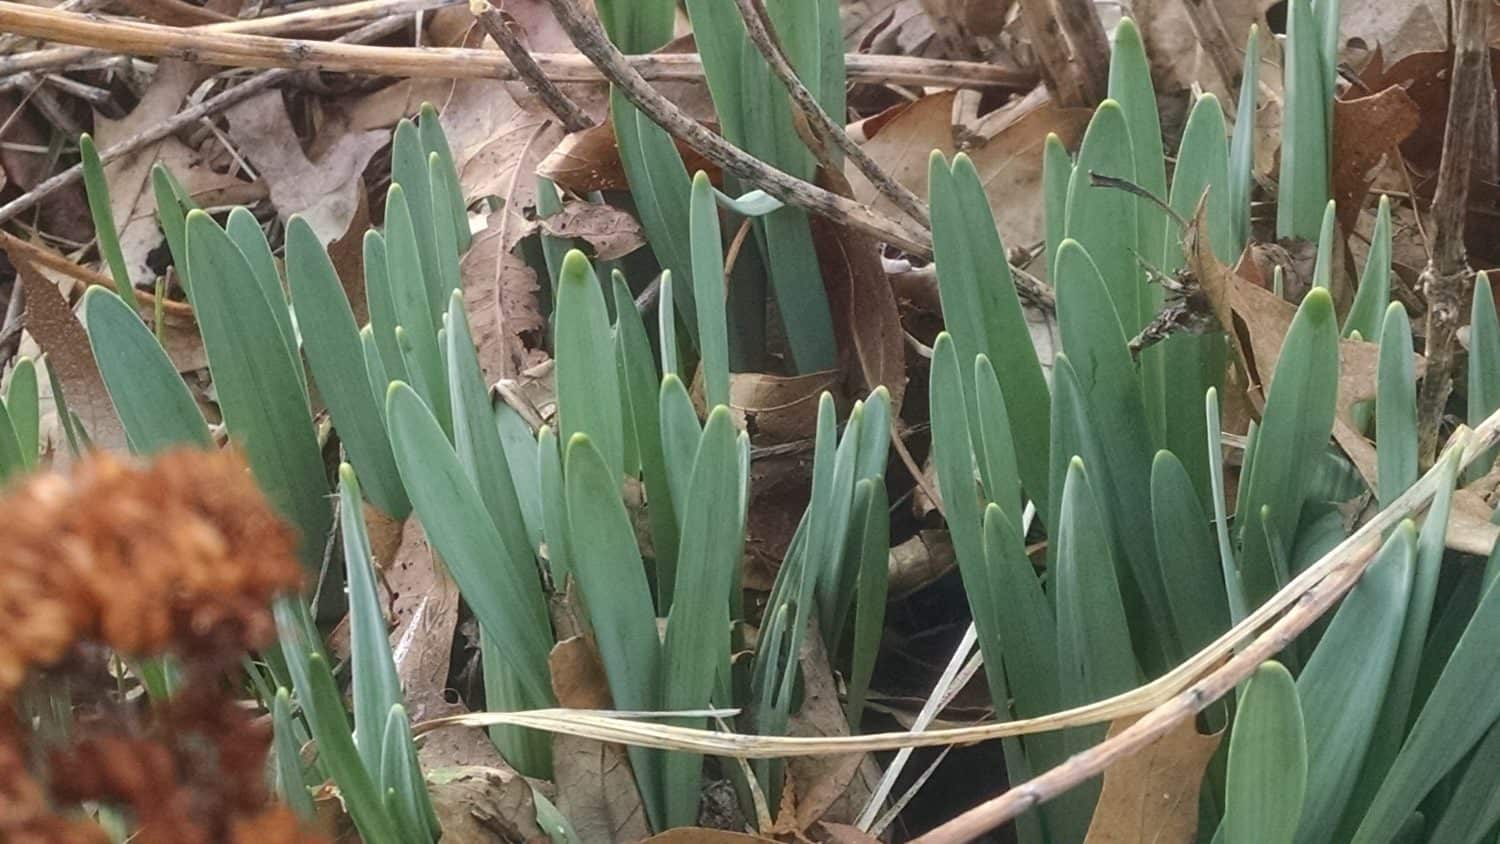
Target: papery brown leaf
x=869 y=325
x=1367 y=133
x=589 y=161
x=700 y=835
x=596 y=789
x=500 y=294
x=324 y=192
x=827 y=788
x=1398 y=29
x=132 y=201
x=480 y=804
x=1423 y=76
x=780 y=408
x=49 y=319
x=611 y=232
x=348 y=256
x=1006 y=149
x=1265 y=319
x=424 y=600
x=919 y=561
x=1469 y=527
x=25 y=162
x=1151 y=797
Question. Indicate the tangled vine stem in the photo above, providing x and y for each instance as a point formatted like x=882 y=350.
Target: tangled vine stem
x=588 y=36
x=1469 y=137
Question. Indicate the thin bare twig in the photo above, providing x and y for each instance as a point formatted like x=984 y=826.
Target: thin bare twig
x=236 y=49
x=1447 y=281
x=1062 y=77
x=1208 y=25
x=588 y=36
x=344 y=15
x=495 y=23
x=213 y=105
x=758 y=26
x=1080 y=23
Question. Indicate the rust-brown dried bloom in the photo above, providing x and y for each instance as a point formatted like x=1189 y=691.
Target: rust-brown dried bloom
x=183 y=554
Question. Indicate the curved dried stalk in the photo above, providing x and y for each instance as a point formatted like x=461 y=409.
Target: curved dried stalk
x=237 y=49
x=1194 y=684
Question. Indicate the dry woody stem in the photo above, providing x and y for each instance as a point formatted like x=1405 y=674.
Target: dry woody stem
x=497 y=25
x=1447 y=281
x=233 y=49
x=177 y=122
x=590 y=39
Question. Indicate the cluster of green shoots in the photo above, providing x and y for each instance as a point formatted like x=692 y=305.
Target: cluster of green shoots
x=1123 y=461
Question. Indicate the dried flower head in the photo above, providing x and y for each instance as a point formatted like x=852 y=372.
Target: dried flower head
x=183 y=554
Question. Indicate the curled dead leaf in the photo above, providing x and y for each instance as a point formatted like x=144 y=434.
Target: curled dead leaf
x=596 y=788
x=50 y=320
x=589 y=161
x=500 y=293
x=611 y=232
x=326 y=193
x=1367 y=134
x=1151 y=797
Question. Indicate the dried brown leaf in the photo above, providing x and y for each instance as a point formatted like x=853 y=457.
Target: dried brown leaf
x=826 y=788
x=325 y=192
x=1469 y=527
x=478 y=804
x=590 y=161
x=700 y=835
x=132 y=200
x=1007 y=151
x=611 y=232
x=50 y=320
x=1367 y=134
x=596 y=789
x=870 y=328
x=1151 y=797
x=424 y=601
x=500 y=294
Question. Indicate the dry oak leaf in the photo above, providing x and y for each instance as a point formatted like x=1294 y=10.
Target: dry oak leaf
x=1007 y=154
x=425 y=602
x=132 y=200
x=1151 y=797
x=500 y=293
x=1367 y=134
x=595 y=785
x=50 y=320
x=611 y=232
x=325 y=192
